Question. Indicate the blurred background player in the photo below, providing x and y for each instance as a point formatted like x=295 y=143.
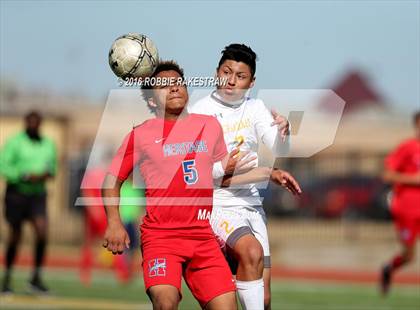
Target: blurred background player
x=95 y=226
x=94 y=219
x=131 y=203
x=27 y=161
x=402 y=170
x=238 y=218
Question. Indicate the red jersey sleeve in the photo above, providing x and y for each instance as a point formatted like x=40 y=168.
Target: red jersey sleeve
x=126 y=158
x=396 y=158
x=219 y=151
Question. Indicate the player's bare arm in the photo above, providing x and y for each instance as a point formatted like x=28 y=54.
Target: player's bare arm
x=391 y=176
x=260 y=174
x=237 y=161
x=116 y=237
x=37 y=178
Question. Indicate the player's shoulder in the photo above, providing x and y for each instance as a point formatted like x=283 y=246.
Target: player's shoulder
x=203 y=117
x=256 y=109
x=145 y=124
x=19 y=135
x=405 y=147
x=142 y=129
x=409 y=143
x=254 y=102
x=48 y=141
x=17 y=138
x=209 y=120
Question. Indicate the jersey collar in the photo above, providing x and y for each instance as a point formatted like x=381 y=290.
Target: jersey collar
x=235 y=104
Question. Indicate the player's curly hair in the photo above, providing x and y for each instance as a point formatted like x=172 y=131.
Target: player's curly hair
x=416 y=117
x=163 y=65
x=33 y=114
x=239 y=52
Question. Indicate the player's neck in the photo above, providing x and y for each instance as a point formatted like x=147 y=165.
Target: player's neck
x=172 y=116
x=216 y=95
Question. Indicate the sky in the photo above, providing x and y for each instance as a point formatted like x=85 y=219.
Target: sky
x=62 y=46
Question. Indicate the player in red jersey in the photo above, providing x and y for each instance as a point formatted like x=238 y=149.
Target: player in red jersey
x=95 y=226
x=95 y=221
x=175 y=152
x=402 y=169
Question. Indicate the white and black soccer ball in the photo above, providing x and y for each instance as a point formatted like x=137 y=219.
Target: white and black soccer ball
x=133 y=55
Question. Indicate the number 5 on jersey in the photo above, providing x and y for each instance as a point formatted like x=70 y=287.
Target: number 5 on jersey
x=190 y=172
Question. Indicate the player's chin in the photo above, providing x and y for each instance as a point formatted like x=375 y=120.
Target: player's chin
x=232 y=94
x=176 y=106
x=176 y=102
x=228 y=92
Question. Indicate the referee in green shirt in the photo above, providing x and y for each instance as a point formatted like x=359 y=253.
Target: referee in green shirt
x=27 y=160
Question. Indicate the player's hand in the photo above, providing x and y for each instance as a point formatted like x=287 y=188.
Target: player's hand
x=36 y=178
x=282 y=123
x=238 y=162
x=116 y=238
x=285 y=180
x=416 y=179
x=32 y=178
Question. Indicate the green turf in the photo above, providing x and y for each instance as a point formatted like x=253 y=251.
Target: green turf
x=105 y=292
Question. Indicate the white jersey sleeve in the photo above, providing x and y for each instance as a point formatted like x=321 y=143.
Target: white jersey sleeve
x=269 y=134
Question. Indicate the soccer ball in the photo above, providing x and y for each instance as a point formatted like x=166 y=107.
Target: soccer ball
x=133 y=55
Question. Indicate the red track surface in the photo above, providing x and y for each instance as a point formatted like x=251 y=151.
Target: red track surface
x=340 y=275
x=333 y=275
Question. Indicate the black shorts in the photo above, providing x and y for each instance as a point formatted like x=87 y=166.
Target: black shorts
x=20 y=207
x=133 y=234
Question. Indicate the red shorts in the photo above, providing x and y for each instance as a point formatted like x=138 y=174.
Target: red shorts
x=408 y=228
x=201 y=263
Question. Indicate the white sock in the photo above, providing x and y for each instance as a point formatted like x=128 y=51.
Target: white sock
x=251 y=294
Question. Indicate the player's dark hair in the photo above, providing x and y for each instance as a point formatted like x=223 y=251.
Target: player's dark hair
x=30 y=130
x=416 y=117
x=33 y=114
x=167 y=65
x=239 y=52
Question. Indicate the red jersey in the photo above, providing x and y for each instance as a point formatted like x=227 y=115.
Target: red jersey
x=406 y=159
x=176 y=160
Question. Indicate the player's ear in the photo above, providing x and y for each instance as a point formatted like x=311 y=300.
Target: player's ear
x=252 y=83
x=151 y=103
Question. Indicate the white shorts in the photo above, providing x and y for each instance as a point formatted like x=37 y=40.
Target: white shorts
x=231 y=223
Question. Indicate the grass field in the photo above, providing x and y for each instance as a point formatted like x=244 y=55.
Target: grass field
x=105 y=293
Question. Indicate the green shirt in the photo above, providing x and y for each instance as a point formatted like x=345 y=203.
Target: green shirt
x=130 y=202
x=22 y=156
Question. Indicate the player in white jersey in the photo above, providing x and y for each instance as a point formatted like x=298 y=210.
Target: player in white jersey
x=238 y=218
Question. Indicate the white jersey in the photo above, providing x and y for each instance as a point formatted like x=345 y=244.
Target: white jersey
x=250 y=122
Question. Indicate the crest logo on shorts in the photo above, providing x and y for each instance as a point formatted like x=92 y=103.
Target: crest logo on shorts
x=157 y=267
